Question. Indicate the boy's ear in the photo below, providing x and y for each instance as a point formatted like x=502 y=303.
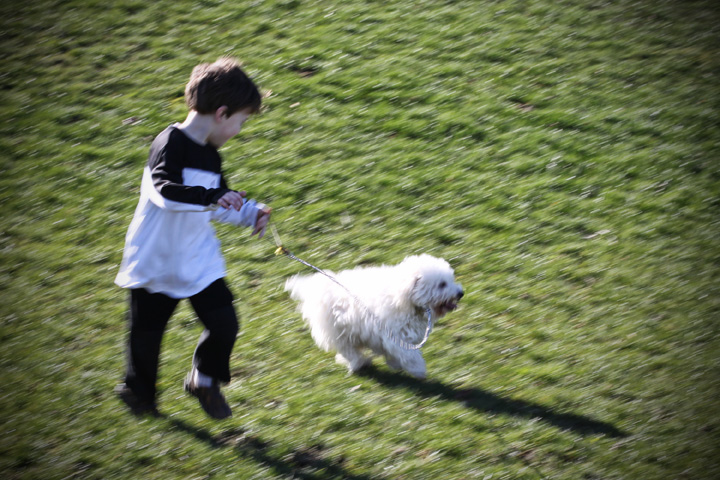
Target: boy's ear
x=221 y=113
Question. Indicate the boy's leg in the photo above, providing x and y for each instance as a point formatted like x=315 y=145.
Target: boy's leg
x=149 y=314
x=215 y=310
x=211 y=362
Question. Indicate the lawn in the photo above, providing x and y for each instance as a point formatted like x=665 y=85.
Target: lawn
x=563 y=156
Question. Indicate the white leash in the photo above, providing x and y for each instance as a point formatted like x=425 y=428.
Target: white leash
x=407 y=346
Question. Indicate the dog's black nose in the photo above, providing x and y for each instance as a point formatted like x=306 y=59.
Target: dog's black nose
x=460 y=294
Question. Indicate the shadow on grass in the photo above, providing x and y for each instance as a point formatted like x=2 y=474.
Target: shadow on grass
x=309 y=463
x=484 y=401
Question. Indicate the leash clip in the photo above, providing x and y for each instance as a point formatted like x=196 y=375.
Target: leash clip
x=280 y=249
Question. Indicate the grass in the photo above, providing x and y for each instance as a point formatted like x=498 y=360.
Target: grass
x=562 y=155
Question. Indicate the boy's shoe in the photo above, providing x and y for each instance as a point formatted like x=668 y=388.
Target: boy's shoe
x=137 y=405
x=211 y=399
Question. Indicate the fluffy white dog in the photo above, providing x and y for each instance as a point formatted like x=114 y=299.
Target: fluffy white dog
x=387 y=304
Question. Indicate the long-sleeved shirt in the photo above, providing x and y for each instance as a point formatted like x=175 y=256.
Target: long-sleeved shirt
x=171 y=247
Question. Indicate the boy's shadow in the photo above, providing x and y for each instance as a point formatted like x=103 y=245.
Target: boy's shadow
x=484 y=401
x=308 y=463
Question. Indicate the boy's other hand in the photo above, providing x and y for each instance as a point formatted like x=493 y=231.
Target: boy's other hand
x=232 y=199
x=262 y=221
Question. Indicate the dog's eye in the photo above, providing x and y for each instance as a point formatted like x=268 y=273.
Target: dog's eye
x=442 y=285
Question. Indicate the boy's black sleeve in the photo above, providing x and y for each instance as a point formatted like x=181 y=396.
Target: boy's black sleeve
x=166 y=168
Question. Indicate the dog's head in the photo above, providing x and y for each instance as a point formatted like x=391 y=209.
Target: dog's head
x=433 y=284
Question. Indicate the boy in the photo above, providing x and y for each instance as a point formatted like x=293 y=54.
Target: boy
x=171 y=251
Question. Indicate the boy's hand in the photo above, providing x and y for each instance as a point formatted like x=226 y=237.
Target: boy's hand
x=262 y=221
x=232 y=199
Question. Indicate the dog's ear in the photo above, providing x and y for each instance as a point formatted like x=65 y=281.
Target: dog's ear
x=408 y=278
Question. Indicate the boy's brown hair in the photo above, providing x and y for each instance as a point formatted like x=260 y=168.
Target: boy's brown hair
x=223 y=83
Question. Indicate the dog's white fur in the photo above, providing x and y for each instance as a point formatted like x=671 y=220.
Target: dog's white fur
x=391 y=298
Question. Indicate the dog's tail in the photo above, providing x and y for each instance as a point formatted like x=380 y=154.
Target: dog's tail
x=295 y=286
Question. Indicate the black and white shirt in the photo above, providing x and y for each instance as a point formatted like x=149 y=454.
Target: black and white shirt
x=171 y=247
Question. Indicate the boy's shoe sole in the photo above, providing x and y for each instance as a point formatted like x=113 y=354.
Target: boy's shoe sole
x=211 y=399
x=137 y=406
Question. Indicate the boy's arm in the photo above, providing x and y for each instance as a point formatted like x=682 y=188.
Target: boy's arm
x=166 y=175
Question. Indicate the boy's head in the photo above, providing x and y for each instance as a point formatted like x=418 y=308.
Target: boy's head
x=221 y=84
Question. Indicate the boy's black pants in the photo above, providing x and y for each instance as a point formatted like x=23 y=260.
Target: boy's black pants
x=149 y=315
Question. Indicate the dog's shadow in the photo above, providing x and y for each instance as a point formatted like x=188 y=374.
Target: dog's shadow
x=487 y=402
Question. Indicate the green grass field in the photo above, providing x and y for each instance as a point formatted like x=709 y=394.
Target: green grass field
x=562 y=155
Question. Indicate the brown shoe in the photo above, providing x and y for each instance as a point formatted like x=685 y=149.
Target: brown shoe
x=138 y=406
x=211 y=399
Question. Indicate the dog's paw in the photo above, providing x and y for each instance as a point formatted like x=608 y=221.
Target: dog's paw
x=354 y=364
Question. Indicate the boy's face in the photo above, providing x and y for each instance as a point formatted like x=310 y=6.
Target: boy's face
x=226 y=127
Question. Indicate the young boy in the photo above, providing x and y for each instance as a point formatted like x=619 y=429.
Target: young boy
x=171 y=252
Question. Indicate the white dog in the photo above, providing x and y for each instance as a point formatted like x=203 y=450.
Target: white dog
x=377 y=307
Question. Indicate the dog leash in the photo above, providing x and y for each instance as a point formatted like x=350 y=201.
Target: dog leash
x=281 y=250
